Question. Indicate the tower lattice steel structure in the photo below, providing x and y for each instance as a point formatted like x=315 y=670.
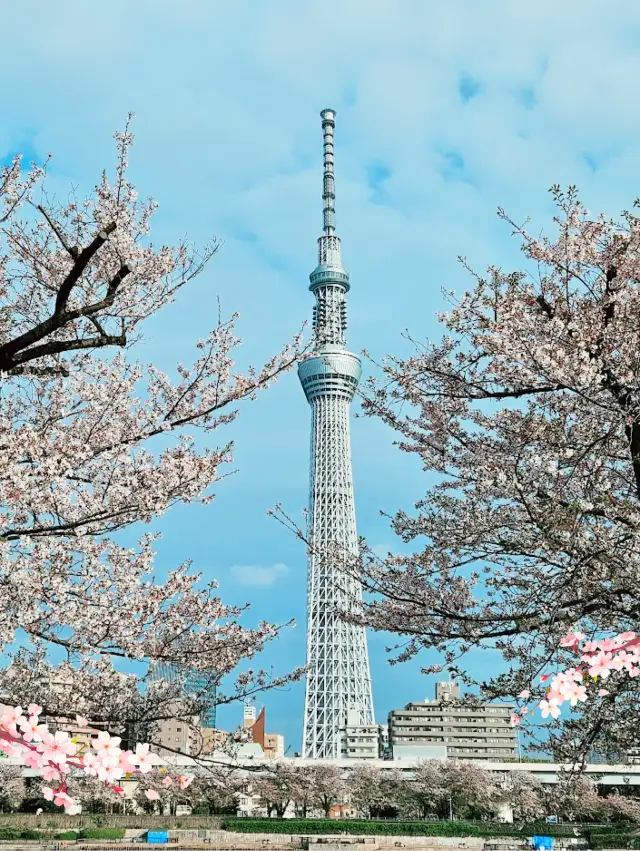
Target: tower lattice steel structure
x=338 y=679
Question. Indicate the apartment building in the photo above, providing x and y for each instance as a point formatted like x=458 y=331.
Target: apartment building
x=362 y=741
x=466 y=731
x=178 y=736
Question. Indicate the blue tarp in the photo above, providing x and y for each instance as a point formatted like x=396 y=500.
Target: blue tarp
x=158 y=837
x=542 y=843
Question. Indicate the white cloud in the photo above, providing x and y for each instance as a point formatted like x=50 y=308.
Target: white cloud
x=259 y=575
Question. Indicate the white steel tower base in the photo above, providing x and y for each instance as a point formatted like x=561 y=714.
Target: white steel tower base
x=338 y=679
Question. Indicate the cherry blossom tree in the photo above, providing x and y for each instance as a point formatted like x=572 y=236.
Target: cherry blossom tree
x=371 y=791
x=12 y=787
x=159 y=791
x=217 y=791
x=445 y=788
x=302 y=791
x=328 y=787
x=624 y=807
x=575 y=797
x=92 y=794
x=526 y=417
x=425 y=793
x=471 y=790
x=94 y=441
x=276 y=788
x=525 y=795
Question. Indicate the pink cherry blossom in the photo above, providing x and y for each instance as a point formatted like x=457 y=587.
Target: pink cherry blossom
x=571 y=640
x=151 y=794
x=108 y=771
x=575 y=694
x=81 y=722
x=89 y=762
x=125 y=762
x=61 y=799
x=49 y=772
x=549 y=707
x=143 y=759
x=106 y=745
x=32 y=759
x=11 y=716
x=32 y=730
x=601 y=665
x=57 y=747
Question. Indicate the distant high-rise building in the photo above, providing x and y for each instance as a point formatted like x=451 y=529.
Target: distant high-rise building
x=196 y=683
x=338 y=680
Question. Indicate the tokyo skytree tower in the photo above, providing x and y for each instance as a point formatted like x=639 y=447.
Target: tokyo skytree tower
x=338 y=679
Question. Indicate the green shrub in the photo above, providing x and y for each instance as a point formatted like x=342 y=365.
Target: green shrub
x=354 y=826
x=32 y=834
x=67 y=834
x=614 y=840
x=102 y=833
x=404 y=828
x=9 y=833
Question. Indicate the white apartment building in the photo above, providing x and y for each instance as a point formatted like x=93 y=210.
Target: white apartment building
x=467 y=732
x=362 y=741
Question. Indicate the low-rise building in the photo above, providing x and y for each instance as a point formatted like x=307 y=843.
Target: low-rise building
x=273 y=745
x=215 y=740
x=361 y=741
x=468 y=731
x=177 y=735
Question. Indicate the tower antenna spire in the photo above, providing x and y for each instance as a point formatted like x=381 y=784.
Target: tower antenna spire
x=328 y=184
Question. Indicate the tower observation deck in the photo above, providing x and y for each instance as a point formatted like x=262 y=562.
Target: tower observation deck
x=338 y=679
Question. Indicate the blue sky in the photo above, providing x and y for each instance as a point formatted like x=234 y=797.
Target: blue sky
x=445 y=112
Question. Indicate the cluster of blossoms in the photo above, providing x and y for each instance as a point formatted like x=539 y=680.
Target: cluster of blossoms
x=56 y=755
x=597 y=660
